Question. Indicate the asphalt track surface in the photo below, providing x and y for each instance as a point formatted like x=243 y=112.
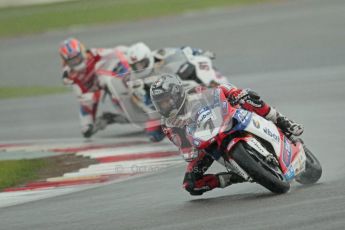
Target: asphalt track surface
x=292 y=53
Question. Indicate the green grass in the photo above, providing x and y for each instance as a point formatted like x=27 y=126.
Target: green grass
x=17 y=172
x=15 y=92
x=31 y=19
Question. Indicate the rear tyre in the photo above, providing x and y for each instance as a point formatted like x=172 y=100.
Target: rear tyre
x=313 y=169
x=257 y=169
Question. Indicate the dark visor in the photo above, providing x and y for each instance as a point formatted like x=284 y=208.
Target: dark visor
x=140 y=65
x=164 y=105
x=76 y=60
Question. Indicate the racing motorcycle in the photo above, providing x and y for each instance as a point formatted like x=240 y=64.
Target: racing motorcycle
x=133 y=92
x=249 y=145
x=190 y=65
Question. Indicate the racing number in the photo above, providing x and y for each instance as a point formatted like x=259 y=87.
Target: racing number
x=204 y=66
x=210 y=125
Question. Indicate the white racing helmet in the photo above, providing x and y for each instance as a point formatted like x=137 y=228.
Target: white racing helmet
x=141 y=59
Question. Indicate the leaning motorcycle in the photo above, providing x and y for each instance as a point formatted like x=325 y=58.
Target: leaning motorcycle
x=190 y=66
x=133 y=92
x=247 y=144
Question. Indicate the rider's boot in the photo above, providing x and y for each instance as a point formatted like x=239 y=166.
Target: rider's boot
x=89 y=131
x=228 y=178
x=111 y=118
x=102 y=122
x=286 y=125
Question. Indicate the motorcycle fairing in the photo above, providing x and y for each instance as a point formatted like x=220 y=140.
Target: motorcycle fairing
x=291 y=157
x=243 y=118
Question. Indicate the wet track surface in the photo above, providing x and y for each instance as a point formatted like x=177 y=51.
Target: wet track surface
x=292 y=53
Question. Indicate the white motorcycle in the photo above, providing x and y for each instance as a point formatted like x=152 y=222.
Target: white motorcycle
x=190 y=66
x=133 y=92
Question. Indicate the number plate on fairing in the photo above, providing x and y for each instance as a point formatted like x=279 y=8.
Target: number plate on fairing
x=207 y=124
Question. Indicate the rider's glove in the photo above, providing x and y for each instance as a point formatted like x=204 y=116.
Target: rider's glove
x=154 y=130
x=138 y=88
x=88 y=98
x=65 y=79
x=240 y=96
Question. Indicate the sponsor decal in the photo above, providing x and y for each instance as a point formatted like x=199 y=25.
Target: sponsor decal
x=202 y=110
x=290 y=174
x=203 y=116
x=204 y=66
x=243 y=117
x=256 y=124
x=286 y=152
x=257 y=145
x=216 y=98
x=241 y=114
x=157 y=91
x=225 y=107
x=252 y=103
x=204 y=119
x=271 y=134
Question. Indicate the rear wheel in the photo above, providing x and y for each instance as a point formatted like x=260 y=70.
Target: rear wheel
x=259 y=170
x=313 y=169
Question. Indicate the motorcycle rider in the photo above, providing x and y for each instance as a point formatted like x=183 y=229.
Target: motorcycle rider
x=170 y=100
x=90 y=72
x=145 y=63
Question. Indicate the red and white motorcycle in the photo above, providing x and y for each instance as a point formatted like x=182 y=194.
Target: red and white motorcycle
x=249 y=145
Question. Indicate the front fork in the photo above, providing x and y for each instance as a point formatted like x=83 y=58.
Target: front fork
x=232 y=166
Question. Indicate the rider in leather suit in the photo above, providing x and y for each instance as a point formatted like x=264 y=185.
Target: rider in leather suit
x=86 y=71
x=145 y=63
x=170 y=98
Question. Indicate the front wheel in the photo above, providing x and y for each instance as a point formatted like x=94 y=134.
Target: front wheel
x=313 y=169
x=258 y=170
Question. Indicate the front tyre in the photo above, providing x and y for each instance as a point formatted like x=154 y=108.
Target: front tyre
x=257 y=169
x=313 y=169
